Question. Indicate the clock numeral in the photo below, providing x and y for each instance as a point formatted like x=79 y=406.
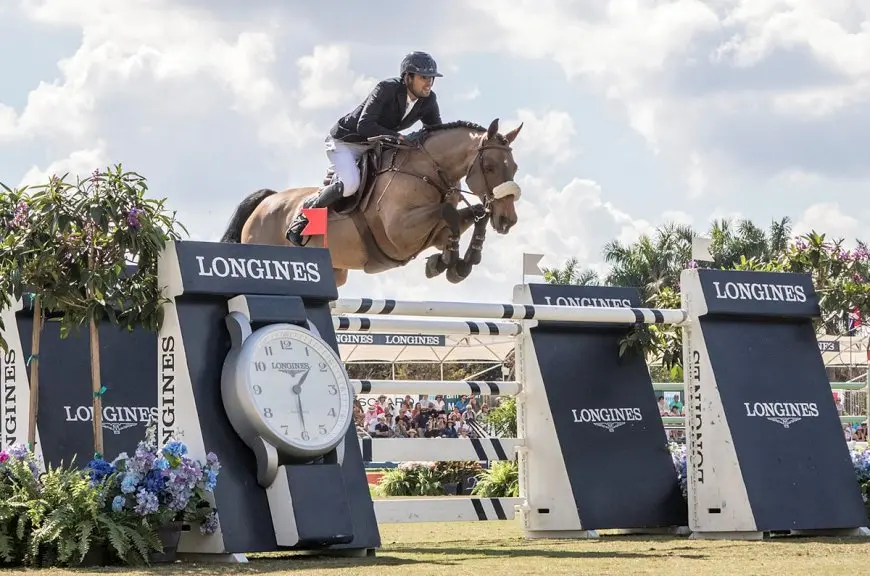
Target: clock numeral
x=307 y=351
x=322 y=366
x=322 y=429
x=286 y=345
x=333 y=389
x=267 y=412
x=331 y=412
x=285 y=428
x=305 y=435
x=268 y=350
x=260 y=366
x=258 y=389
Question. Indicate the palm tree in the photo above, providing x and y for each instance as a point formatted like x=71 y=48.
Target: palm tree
x=732 y=240
x=651 y=263
x=571 y=273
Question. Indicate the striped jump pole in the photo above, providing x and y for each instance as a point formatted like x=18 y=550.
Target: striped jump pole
x=586 y=314
x=446 y=387
x=416 y=326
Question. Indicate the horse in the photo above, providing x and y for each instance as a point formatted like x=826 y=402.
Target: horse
x=406 y=203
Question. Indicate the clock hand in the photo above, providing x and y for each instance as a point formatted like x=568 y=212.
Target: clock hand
x=301 y=380
x=299 y=403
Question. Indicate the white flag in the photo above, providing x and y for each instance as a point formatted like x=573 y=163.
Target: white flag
x=701 y=249
x=530 y=264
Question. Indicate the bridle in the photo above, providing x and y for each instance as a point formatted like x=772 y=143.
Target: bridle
x=448 y=190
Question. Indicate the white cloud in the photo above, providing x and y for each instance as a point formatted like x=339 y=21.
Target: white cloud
x=125 y=44
x=829 y=218
x=326 y=80
x=79 y=163
x=472 y=94
x=701 y=80
x=678 y=217
x=720 y=213
x=547 y=136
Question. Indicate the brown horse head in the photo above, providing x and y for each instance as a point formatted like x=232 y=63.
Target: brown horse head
x=491 y=177
x=484 y=158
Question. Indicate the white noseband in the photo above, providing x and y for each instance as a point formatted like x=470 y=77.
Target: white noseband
x=509 y=188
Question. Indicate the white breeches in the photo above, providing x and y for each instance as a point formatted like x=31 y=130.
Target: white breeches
x=343 y=157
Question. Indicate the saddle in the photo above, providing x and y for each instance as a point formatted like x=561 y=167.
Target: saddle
x=370 y=165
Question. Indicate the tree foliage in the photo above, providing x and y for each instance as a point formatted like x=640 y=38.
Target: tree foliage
x=71 y=245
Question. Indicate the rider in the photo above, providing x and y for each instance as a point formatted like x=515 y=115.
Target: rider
x=394 y=104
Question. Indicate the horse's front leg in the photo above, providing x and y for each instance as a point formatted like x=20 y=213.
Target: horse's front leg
x=454 y=223
x=447 y=240
x=477 y=216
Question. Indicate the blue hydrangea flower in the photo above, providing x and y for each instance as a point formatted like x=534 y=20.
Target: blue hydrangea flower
x=146 y=502
x=118 y=503
x=210 y=523
x=175 y=449
x=130 y=483
x=99 y=469
x=211 y=460
x=210 y=480
x=19 y=451
x=154 y=481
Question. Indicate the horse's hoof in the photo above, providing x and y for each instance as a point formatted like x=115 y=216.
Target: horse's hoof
x=434 y=266
x=458 y=273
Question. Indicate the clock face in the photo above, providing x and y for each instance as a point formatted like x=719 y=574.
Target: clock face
x=298 y=388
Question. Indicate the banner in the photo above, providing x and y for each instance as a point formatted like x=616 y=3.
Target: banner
x=351 y=338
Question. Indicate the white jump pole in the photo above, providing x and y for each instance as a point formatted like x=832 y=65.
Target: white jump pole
x=586 y=314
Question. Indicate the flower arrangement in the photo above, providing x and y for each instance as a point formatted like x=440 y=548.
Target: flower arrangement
x=678 y=456
x=56 y=517
x=163 y=485
x=861 y=463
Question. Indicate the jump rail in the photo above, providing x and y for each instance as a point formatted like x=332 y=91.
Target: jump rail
x=446 y=387
x=587 y=314
x=416 y=326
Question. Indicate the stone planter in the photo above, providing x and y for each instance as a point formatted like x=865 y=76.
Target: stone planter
x=169 y=535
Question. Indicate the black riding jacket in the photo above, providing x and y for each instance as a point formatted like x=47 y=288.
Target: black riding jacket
x=381 y=113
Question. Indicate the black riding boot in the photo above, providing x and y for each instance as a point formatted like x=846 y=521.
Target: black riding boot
x=327 y=196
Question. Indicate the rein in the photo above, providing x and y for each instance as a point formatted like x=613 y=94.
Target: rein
x=446 y=188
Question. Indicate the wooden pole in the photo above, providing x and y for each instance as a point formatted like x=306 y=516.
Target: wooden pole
x=96 y=387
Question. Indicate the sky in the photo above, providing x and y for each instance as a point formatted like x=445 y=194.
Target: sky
x=635 y=112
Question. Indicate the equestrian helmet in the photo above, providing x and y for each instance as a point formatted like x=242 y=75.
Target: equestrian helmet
x=419 y=63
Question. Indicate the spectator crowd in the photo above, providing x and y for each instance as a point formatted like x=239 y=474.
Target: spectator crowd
x=422 y=418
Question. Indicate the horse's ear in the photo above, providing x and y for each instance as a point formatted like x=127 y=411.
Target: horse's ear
x=493 y=129
x=512 y=135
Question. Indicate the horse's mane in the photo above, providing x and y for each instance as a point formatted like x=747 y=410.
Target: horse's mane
x=420 y=136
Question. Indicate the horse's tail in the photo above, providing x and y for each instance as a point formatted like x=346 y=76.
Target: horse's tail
x=243 y=211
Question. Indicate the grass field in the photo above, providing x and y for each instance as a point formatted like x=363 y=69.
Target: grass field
x=498 y=548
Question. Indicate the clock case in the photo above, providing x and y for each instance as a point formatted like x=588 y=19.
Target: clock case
x=307 y=498
x=269 y=447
